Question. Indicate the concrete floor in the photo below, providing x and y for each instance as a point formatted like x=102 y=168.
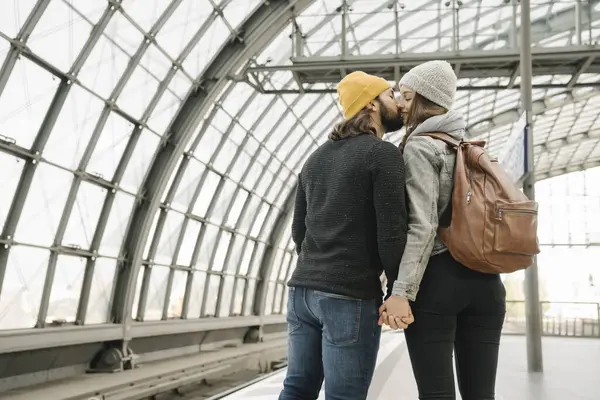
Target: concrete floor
x=572 y=372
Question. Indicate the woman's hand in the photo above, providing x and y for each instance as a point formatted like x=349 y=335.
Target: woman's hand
x=396 y=313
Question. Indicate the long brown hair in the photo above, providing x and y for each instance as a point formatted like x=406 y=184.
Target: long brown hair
x=358 y=125
x=420 y=110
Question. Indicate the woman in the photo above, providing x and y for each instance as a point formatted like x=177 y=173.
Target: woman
x=455 y=308
x=349 y=225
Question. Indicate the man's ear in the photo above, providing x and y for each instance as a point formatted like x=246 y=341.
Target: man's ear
x=371 y=106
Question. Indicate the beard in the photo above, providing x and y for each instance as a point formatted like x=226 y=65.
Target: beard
x=391 y=122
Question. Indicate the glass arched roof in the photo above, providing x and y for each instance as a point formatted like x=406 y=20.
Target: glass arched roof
x=144 y=171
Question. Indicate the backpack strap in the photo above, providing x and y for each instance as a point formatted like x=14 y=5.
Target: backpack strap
x=446 y=218
x=444 y=137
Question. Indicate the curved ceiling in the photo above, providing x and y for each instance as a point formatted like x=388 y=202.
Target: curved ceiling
x=144 y=172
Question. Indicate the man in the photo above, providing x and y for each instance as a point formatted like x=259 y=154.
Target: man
x=349 y=225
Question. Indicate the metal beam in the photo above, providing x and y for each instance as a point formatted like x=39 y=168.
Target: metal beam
x=406 y=61
x=473 y=64
x=265 y=23
x=32 y=339
x=560 y=22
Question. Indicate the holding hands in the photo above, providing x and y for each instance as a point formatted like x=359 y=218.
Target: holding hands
x=396 y=313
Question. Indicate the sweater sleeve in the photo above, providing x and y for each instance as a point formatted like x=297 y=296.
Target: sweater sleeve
x=386 y=165
x=298 y=222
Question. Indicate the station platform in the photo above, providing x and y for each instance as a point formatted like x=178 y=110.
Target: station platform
x=572 y=368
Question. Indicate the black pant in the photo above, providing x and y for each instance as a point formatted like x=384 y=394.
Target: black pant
x=460 y=310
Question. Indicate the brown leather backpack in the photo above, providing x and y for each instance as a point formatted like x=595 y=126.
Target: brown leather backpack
x=493 y=225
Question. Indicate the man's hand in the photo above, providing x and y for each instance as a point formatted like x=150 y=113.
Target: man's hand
x=396 y=313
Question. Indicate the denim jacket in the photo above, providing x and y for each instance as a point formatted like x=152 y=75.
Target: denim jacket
x=429 y=166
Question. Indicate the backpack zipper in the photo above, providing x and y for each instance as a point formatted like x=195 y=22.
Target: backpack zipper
x=514 y=211
x=470 y=178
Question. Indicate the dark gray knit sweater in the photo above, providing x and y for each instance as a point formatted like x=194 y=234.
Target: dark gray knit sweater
x=350 y=218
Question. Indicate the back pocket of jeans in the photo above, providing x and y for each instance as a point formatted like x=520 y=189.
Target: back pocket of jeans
x=340 y=316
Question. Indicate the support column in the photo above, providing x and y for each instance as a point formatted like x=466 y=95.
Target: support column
x=397 y=26
x=298 y=39
x=590 y=19
x=513 y=25
x=578 y=35
x=532 y=296
x=344 y=28
x=455 y=25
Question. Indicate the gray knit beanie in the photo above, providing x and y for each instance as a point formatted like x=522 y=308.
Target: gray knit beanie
x=434 y=80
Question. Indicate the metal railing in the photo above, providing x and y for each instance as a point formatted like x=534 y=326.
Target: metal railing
x=566 y=319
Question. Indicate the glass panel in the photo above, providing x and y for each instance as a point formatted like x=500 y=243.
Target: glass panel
x=142 y=156
x=224 y=158
x=44 y=205
x=31 y=91
x=249 y=298
x=23 y=287
x=278 y=297
x=260 y=220
x=138 y=91
x=177 y=294
x=196 y=293
x=237 y=10
x=226 y=299
x=73 y=128
x=145 y=13
x=9 y=179
x=235 y=252
x=104 y=67
x=66 y=289
x=223 y=247
x=241 y=165
x=98 y=311
x=188 y=185
x=117 y=224
x=206 y=48
x=163 y=114
x=238 y=297
x=249 y=214
x=52 y=29
x=284 y=267
x=238 y=204
x=157 y=289
x=267 y=228
x=110 y=147
x=206 y=194
x=84 y=216
x=206 y=247
x=182 y=25
x=277 y=263
x=14 y=14
x=223 y=202
x=257 y=259
x=210 y=308
x=246 y=257
x=270 y=296
x=190 y=238
x=169 y=237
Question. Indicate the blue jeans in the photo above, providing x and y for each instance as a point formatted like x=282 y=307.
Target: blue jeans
x=333 y=337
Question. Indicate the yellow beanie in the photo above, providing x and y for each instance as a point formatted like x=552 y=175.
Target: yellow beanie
x=357 y=89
